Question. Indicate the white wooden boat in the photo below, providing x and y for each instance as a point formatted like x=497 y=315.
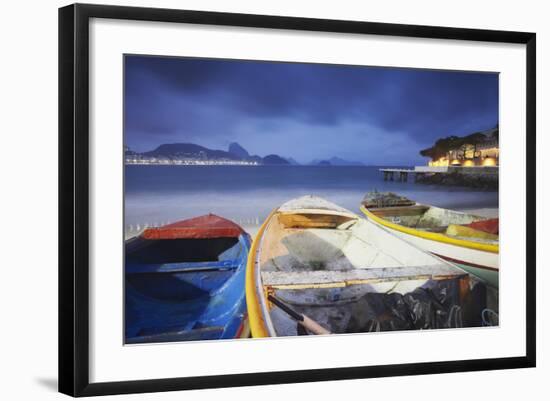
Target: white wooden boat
x=322 y=261
x=445 y=233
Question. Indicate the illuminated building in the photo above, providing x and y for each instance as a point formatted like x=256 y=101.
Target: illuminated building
x=484 y=153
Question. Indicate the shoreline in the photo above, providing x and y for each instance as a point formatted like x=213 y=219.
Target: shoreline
x=252 y=229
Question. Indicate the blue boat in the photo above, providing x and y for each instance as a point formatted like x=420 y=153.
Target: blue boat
x=185 y=281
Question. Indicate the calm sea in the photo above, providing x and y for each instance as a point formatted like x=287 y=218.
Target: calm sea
x=157 y=195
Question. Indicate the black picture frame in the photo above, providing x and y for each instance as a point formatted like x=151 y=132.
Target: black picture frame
x=74 y=198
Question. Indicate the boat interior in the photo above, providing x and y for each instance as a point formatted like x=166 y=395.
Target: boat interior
x=326 y=265
x=434 y=219
x=331 y=242
x=182 y=289
x=143 y=251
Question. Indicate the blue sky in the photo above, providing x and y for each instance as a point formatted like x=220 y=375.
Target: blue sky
x=305 y=111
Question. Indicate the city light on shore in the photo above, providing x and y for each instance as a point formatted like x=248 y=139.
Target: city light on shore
x=188 y=162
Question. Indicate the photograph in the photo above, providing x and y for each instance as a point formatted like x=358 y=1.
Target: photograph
x=270 y=199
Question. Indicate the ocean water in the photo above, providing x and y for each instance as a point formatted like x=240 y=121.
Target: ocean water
x=157 y=195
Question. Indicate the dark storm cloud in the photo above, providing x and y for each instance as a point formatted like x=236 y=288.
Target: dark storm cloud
x=264 y=105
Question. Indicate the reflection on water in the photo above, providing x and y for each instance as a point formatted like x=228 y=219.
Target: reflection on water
x=158 y=195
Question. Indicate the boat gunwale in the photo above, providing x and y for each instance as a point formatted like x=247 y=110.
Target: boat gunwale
x=438 y=237
x=255 y=315
x=312 y=211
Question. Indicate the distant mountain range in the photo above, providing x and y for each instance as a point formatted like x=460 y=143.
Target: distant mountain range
x=193 y=151
x=190 y=150
x=234 y=152
x=290 y=160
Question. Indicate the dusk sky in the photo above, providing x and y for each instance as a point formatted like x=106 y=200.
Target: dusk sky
x=379 y=116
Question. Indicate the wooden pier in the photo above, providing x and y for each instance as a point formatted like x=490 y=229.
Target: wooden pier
x=402 y=175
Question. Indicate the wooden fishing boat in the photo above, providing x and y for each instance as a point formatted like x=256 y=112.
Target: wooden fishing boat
x=467 y=240
x=185 y=281
x=316 y=268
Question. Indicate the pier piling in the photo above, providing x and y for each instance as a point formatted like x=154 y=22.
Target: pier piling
x=396 y=174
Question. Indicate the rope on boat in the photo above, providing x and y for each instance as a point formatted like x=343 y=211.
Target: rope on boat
x=455 y=316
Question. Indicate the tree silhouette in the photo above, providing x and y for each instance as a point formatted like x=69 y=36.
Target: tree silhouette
x=442 y=147
x=445 y=145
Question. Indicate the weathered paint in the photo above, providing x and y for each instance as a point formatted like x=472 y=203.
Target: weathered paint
x=457 y=230
x=357 y=276
x=492 y=248
x=207 y=226
x=489 y=226
x=337 y=254
x=186 y=300
x=487 y=274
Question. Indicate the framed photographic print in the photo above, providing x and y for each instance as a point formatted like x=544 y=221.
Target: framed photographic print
x=237 y=190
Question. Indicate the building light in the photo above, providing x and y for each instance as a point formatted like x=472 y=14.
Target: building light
x=489 y=161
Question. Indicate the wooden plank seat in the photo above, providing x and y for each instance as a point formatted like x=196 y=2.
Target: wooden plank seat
x=229 y=264
x=338 y=278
